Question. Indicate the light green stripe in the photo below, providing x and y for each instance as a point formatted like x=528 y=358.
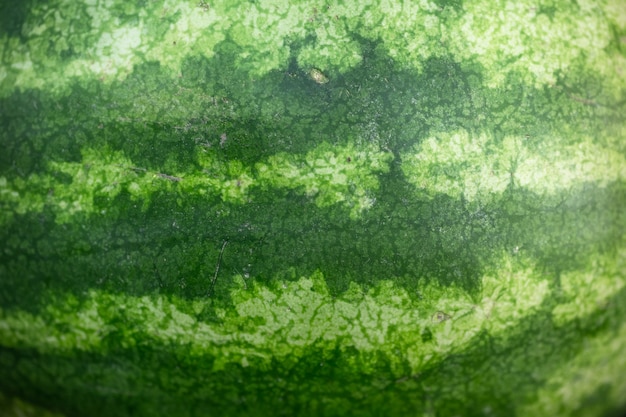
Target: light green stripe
x=479 y=167
x=345 y=175
x=506 y=39
x=293 y=315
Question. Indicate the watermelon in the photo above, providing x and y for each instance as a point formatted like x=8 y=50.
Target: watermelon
x=266 y=208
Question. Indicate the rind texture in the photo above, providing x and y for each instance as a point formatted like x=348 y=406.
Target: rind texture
x=312 y=208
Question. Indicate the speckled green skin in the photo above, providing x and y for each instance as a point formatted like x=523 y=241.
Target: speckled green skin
x=190 y=225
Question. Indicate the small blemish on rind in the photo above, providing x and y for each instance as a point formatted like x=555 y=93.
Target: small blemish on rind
x=318 y=76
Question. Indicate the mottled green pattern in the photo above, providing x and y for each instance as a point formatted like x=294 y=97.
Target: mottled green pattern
x=105 y=39
x=457 y=164
x=331 y=175
x=429 y=223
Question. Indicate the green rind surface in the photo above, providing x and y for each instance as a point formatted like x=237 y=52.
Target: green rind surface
x=190 y=224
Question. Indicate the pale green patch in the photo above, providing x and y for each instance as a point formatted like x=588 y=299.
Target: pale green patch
x=520 y=37
x=283 y=320
x=459 y=164
x=556 y=167
x=102 y=173
x=196 y=30
x=102 y=47
x=10 y=200
x=334 y=48
x=575 y=385
x=231 y=180
x=508 y=295
x=589 y=290
x=330 y=175
x=505 y=38
x=410 y=31
x=24 y=330
x=341 y=174
x=616 y=12
x=261 y=30
x=112 y=57
x=345 y=175
x=17 y=68
x=477 y=166
x=612 y=70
